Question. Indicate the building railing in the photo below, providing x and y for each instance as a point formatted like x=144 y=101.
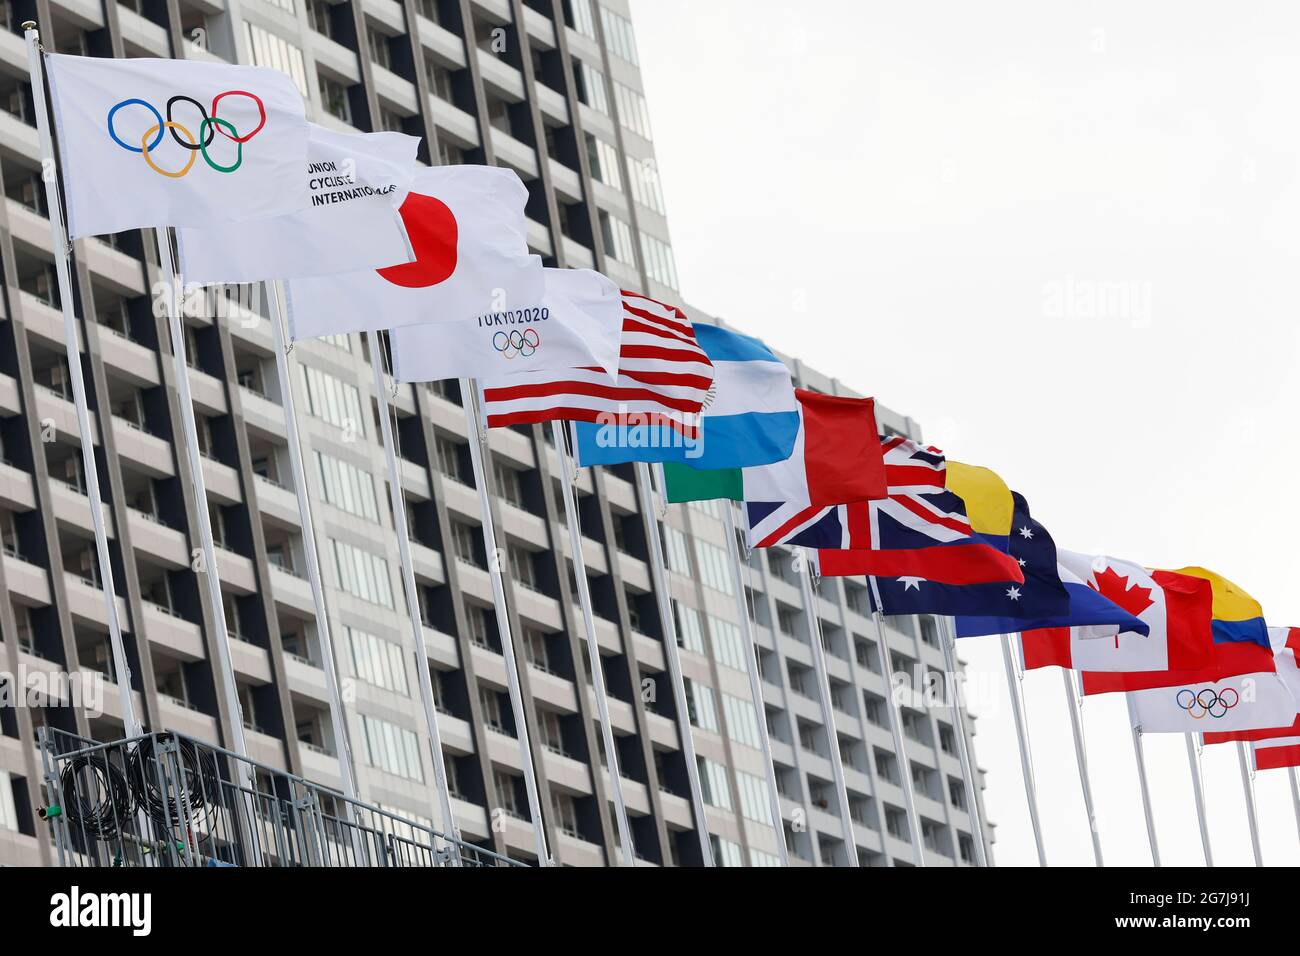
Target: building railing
x=167 y=800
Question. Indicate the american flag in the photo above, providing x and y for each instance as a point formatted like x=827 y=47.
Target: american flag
x=916 y=478
x=664 y=378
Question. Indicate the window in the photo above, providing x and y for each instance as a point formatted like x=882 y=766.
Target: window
x=725 y=852
x=619 y=38
x=957 y=792
x=507 y=789
x=392 y=749
x=742 y=721
x=332 y=400
x=699 y=705
x=659 y=263
x=379 y=51
x=509 y=486
x=690 y=635
x=676 y=550
x=318 y=15
x=449 y=458
x=376 y=661
x=267 y=49
x=334 y=98
x=362 y=574
x=715 y=571
x=590 y=87
x=347 y=487
x=728 y=644
x=603 y=159
x=551 y=731
x=947 y=739
x=754 y=803
x=8 y=813
x=645 y=184
x=536 y=649
x=490 y=701
x=566 y=814
x=966 y=847
x=463 y=540
x=713 y=781
x=759 y=858
x=929 y=631
x=633 y=114
x=616 y=235
x=578 y=15
x=521 y=567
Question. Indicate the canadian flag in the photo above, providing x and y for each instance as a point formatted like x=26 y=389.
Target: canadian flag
x=470 y=239
x=1174 y=607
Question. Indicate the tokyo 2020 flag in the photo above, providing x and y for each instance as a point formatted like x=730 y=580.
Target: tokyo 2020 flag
x=146 y=142
x=355 y=181
x=578 y=323
x=469 y=234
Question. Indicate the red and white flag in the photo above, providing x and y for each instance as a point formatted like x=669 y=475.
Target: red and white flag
x=1175 y=607
x=1253 y=698
x=469 y=235
x=1275 y=746
x=664 y=378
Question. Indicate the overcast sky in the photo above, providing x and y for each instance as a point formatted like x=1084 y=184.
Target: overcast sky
x=1063 y=238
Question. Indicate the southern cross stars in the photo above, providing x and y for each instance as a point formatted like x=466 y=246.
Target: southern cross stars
x=1026 y=532
x=1013 y=593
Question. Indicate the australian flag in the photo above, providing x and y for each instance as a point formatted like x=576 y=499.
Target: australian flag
x=1040 y=595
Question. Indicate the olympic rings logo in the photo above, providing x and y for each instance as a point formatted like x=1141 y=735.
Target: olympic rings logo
x=182 y=135
x=515 y=343
x=1207 y=701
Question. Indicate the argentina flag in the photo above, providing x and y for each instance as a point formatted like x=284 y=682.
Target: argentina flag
x=751 y=416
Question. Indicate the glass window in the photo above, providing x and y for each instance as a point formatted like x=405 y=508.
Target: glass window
x=332 y=400
x=754 y=804
x=347 y=487
x=377 y=661
x=267 y=49
x=619 y=38
x=603 y=159
x=728 y=644
x=645 y=184
x=617 y=238
x=392 y=749
x=713 y=781
x=578 y=15
x=659 y=262
x=8 y=814
x=742 y=721
x=362 y=574
x=633 y=113
x=590 y=83
x=690 y=634
x=699 y=703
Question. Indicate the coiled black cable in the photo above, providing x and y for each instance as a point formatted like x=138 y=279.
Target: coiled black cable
x=199 y=779
x=97 y=796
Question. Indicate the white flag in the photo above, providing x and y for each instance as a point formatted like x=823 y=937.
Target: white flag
x=356 y=182
x=146 y=142
x=469 y=233
x=577 y=324
x=1244 y=702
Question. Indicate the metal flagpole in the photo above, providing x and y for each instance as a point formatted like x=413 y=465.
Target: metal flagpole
x=571 y=518
x=1248 y=787
x=659 y=578
x=949 y=642
x=1080 y=756
x=1142 y=784
x=896 y=725
x=208 y=571
x=1295 y=795
x=337 y=717
x=412 y=602
x=1022 y=738
x=755 y=683
x=1198 y=790
x=477 y=440
x=62 y=251
x=828 y=712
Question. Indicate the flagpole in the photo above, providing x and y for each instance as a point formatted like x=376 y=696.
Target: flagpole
x=949 y=642
x=1198 y=790
x=659 y=578
x=1295 y=795
x=477 y=441
x=398 y=501
x=1142 y=783
x=296 y=466
x=896 y=726
x=571 y=519
x=1248 y=787
x=1022 y=739
x=1080 y=756
x=198 y=484
x=755 y=681
x=828 y=714
x=62 y=250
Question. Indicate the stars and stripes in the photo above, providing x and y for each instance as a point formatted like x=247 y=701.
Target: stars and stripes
x=664 y=378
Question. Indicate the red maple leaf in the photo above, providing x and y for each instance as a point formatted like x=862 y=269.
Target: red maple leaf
x=1115 y=588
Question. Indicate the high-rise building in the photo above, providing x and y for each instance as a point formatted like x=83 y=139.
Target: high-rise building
x=551 y=89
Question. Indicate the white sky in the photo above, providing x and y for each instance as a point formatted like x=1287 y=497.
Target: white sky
x=926 y=200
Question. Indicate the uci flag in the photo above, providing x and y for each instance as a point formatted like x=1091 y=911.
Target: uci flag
x=150 y=142
x=355 y=181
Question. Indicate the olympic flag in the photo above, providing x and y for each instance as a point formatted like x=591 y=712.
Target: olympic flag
x=146 y=142
x=577 y=323
x=356 y=182
x=467 y=227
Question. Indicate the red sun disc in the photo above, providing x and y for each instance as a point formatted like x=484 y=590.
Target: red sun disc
x=433 y=233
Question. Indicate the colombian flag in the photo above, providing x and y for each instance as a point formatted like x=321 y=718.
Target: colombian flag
x=1237 y=617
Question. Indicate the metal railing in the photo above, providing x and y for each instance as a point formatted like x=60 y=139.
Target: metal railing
x=167 y=800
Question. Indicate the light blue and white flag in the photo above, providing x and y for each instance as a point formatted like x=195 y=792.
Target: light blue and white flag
x=750 y=418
